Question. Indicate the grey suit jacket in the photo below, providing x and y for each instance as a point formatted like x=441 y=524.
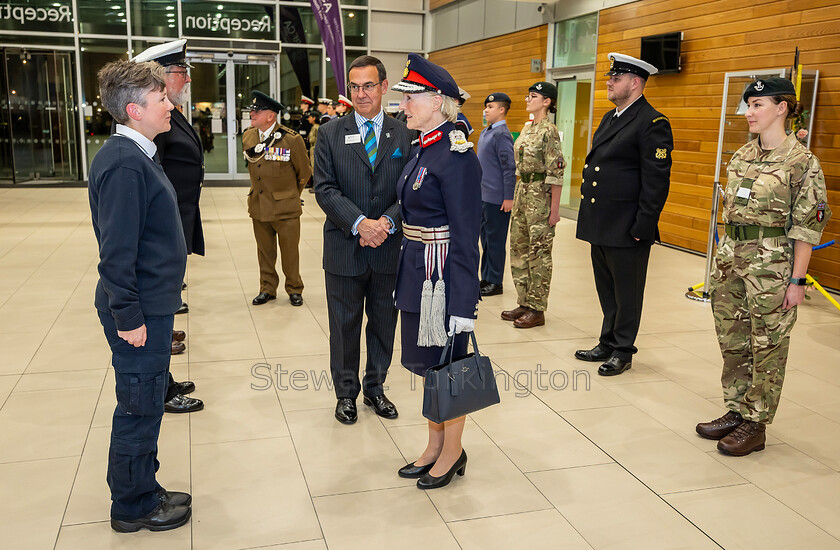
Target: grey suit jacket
x=347 y=186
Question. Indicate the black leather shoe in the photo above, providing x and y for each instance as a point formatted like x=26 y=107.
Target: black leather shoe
x=382 y=406
x=179 y=335
x=598 y=353
x=183 y=309
x=345 y=410
x=296 y=299
x=411 y=471
x=185 y=387
x=174 y=497
x=614 y=366
x=178 y=348
x=163 y=518
x=491 y=289
x=262 y=298
x=183 y=286
x=429 y=481
x=483 y=283
x=183 y=404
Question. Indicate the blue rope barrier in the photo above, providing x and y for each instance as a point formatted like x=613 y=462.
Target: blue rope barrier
x=829 y=243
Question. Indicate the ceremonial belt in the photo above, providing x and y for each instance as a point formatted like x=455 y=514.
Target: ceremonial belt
x=752 y=232
x=532 y=176
x=426 y=235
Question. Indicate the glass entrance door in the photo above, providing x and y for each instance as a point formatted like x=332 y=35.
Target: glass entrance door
x=573 y=120
x=220 y=94
x=38 y=139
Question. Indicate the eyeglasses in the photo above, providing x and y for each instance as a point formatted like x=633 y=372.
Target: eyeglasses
x=369 y=87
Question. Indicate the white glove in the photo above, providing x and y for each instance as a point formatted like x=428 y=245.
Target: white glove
x=457 y=325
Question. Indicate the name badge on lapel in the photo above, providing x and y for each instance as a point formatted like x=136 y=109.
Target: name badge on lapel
x=352 y=138
x=421 y=175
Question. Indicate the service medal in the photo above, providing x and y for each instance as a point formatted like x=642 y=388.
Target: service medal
x=421 y=175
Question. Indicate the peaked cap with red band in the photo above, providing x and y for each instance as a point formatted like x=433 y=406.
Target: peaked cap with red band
x=421 y=75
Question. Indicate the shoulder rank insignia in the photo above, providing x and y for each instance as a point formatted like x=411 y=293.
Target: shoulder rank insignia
x=459 y=141
x=662 y=153
x=421 y=175
x=657 y=119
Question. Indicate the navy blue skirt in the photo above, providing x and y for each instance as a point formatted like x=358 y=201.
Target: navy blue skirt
x=419 y=359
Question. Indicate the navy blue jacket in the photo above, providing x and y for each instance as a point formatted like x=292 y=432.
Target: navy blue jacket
x=142 y=251
x=449 y=194
x=498 y=167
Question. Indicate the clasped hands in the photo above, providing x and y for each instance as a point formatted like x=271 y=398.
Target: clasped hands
x=373 y=233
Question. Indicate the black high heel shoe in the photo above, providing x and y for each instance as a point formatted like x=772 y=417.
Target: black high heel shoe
x=412 y=471
x=429 y=481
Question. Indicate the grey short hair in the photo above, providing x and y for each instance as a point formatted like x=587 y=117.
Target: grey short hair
x=123 y=82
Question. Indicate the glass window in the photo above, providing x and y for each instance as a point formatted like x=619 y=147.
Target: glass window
x=576 y=41
x=37 y=15
x=355 y=27
x=300 y=74
x=95 y=53
x=102 y=17
x=154 y=18
x=354 y=2
x=228 y=20
x=37 y=40
x=332 y=89
x=298 y=26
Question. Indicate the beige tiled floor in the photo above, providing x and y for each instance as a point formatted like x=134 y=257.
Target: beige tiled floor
x=568 y=460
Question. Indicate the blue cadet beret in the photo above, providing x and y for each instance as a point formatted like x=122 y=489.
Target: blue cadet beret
x=421 y=75
x=546 y=89
x=769 y=87
x=260 y=102
x=500 y=97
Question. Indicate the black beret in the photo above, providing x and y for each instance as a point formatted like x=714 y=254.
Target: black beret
x=546 y=89
x=769 y=87
x=500 y=97
x=260 y=101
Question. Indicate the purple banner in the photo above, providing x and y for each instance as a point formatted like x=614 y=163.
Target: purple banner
x=328 y=17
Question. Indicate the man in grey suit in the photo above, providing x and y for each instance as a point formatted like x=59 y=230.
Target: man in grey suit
x=358 y=160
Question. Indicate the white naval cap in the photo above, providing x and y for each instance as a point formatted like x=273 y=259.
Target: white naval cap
x=343 y=100
x=621 y=64
x=307 y=100
x=170 y=53
x=325 y=100
x=465 y=95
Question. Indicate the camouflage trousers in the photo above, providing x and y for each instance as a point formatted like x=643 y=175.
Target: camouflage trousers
x=531 y=240
x=748 y=284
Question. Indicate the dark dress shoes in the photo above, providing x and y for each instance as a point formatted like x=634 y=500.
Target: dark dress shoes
x=614 y=366
x=749 y=436
x=429 y=481
x=183 y=309
x=382 y=406
x=183 y=404
x=483 y=283
x=296 y=299
x=530 y=320
x=514 y=314
x=720 y=427
x=411 y=471
x=178 y=335
x=183 y=286
x=598 y=353
x=185 y=387
x=174 y=497
x=345 y=410
x=491 y=289
x=163 y=518
x=178 y=347
x=262 y=298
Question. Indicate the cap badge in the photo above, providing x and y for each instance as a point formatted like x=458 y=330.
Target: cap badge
x=490 y=98
x=254 y=101
x=759 y=85
x=612 y=62
x=459 y=141
x=405 y=71
x=538 y=86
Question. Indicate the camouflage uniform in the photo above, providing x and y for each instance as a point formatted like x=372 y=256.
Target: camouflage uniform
x=750 y=277
x=538 y=154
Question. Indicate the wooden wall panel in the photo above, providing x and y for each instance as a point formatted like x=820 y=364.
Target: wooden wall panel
x=721 y=36
x=435 y=4
x=500 y=64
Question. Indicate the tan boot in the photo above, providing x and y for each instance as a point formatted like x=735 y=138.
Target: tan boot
x=749 y=436
x=530 y=320
x=720 y=427
x=514 y=314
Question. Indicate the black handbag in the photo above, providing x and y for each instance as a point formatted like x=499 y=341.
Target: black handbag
x=460 y=387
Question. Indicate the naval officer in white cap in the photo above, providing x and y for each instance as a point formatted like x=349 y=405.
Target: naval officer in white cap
x=625 y=185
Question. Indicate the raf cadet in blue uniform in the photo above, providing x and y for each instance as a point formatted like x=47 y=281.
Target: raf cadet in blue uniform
x=437 y=288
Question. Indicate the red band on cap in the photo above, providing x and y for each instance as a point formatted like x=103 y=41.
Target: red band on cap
x=417 y=78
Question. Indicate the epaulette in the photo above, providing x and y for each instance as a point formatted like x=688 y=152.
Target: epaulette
x=286 y=129
x=459 y=141
x=657 y=119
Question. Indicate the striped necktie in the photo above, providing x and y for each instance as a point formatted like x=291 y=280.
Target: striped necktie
x=370 y=142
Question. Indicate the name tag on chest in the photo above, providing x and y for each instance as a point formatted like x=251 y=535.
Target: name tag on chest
x=743 y=193
x=352 y=138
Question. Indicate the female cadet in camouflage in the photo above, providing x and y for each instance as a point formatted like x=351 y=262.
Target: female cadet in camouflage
x=774 y=208
x=536 y=204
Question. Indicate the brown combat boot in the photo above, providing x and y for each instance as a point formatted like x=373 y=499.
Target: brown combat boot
x=531 y=319
x=747 y=437
x=720 y=427
x=514 y=314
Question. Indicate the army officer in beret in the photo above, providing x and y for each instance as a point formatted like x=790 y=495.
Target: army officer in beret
x=625 y=185
x=279 y=168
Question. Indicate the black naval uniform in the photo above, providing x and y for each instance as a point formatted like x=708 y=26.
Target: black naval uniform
x=625 y=185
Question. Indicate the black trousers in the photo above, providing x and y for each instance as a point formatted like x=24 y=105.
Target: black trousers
x=620 y=280
x=347 y=299
x=493 y=236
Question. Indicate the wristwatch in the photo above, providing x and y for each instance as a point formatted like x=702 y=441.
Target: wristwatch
x=800 y=282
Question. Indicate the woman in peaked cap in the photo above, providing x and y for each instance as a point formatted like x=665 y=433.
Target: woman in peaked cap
x=437 y=288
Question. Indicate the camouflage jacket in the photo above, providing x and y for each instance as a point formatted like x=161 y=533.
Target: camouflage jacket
x=538 y=150
x=784 y=187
